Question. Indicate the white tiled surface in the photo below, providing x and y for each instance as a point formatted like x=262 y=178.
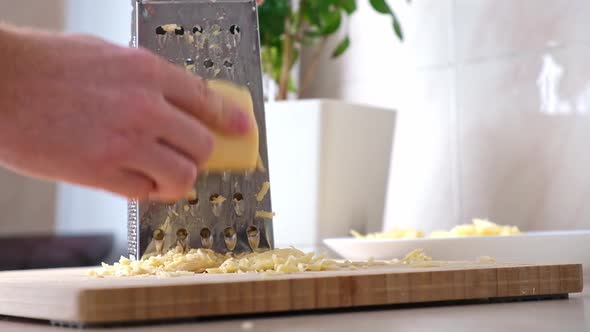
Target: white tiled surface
x=519 y=165
x=422 y=192
x=478 y=85
x=490 y=28
x=428 y=31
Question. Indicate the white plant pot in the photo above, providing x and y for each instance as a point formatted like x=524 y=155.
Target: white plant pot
x=329 y=164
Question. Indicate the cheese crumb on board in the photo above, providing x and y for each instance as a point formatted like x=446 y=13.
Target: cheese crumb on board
x=416 y=255
x=263 y=191
x=418 y=258
x=479 y=227
x=486 y=259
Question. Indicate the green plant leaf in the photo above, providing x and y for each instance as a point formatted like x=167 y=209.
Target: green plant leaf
x=341 y=48
x=381 y=6
x=311 y=13
x=331 y=23
x=271 y=20
x=323 y=17
x=397 y=27
x=349 y=6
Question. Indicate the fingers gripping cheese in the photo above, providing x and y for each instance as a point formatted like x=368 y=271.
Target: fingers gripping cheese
x=234 y=153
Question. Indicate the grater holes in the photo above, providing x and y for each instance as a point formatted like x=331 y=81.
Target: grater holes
x=169 y=28
x=234 y=29
x=159 y=235
x=181 y=240
x=253 y=237
x=179 y=31
x=197 y=29
x=228 y=64
x=208 y=63
x=181 y=234
x=206 y=238
x=230 y=238
x=229 y=232
x=252 y=231
x=239 y=204
x=160 y=30
x=192 y=195
x=216 y=201
x=205 y=232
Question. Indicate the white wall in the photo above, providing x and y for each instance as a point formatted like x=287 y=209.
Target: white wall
x=46 y=14
x=81 y=209
x=27 y=205
x=494 y=103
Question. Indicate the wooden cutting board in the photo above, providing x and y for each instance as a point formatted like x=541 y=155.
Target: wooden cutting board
x=67 y=295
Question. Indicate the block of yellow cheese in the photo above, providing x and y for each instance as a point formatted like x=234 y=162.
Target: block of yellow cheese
x=234 y=153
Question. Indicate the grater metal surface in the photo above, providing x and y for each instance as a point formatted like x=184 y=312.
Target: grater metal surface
x=215 y=39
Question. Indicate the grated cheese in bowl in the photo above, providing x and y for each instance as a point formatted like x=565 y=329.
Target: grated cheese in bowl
x=478 y=227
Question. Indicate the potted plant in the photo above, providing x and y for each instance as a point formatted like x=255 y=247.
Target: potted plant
x=285 y=30
x=329 y=160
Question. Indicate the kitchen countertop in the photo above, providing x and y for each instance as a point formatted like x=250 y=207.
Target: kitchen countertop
x=570 y=315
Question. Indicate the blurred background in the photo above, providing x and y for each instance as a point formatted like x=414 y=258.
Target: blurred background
x=492 y=119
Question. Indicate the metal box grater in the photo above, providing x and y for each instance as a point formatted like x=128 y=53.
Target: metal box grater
x=215 y=40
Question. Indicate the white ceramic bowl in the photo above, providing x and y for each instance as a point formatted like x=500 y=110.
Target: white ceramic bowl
x=533 y=247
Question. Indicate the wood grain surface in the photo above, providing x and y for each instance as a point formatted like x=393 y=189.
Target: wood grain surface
x=69 y=295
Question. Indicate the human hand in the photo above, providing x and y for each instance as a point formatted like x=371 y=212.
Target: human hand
x=81 y=110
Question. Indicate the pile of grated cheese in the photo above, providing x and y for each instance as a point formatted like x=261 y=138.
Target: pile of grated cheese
x=272 y=262
x=175 y=263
